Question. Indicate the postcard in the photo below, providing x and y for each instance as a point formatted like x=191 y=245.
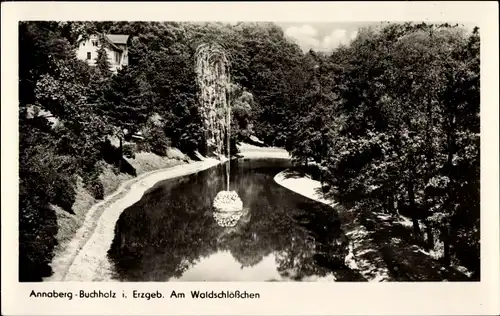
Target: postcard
x=250 y=158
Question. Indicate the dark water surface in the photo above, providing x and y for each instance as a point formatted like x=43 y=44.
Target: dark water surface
x=170 y=234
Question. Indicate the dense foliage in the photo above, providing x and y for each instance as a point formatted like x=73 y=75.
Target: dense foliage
x=393 y=117
x=396 y=122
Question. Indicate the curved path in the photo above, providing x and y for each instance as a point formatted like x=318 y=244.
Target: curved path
x=84 y=257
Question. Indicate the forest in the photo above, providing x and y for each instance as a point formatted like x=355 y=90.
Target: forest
x=388 y=122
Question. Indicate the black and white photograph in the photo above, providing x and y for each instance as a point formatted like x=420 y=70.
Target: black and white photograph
x=249 y=151
x=250 y=158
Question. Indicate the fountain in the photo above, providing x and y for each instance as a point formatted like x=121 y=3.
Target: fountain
x=212 y=74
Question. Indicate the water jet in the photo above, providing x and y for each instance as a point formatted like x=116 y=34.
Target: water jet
x=212 y=74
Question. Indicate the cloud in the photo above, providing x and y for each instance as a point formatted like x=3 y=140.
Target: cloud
x=306 y=37
x=335 y=38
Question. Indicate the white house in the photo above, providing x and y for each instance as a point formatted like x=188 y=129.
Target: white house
x=116 y=49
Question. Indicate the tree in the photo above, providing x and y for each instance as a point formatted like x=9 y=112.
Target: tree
x=103 y=66
x=405 y=120
x=53 y=85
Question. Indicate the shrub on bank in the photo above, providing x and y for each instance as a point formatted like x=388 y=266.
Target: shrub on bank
x=95 y=187
x=129 y=150
x=155 y=141
x=38 y=228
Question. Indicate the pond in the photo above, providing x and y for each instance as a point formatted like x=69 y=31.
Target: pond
x=171 y=235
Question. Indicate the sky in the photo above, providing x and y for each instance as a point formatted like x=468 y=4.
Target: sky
x=322 y=36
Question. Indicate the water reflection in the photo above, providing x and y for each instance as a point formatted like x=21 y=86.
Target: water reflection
x=170 y=233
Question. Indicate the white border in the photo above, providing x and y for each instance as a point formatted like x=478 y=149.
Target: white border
x=276 y=298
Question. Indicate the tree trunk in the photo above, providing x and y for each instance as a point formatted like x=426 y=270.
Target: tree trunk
x=416 y=227
x=390 y=203
x=413 y=211
x=446 y=243
x=428 y=136
x=121 y=156
x=430 y=235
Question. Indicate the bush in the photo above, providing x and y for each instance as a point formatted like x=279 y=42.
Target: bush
x=49 y=175
x=37 y=231
x=128 y=150
x=94 y=185
x=109 y=153
x=156 y=141
x=63 y=192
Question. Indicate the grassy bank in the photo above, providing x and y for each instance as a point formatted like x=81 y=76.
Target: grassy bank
x=68 y=224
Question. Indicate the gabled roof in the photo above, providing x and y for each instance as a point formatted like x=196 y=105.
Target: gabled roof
x=113 y=39
x=118 y=38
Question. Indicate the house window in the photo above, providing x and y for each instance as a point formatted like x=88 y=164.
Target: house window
x=89 y=55
x=117 y=57
x=95 y=43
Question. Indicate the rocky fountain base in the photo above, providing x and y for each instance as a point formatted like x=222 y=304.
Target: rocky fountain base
x=228 y=208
